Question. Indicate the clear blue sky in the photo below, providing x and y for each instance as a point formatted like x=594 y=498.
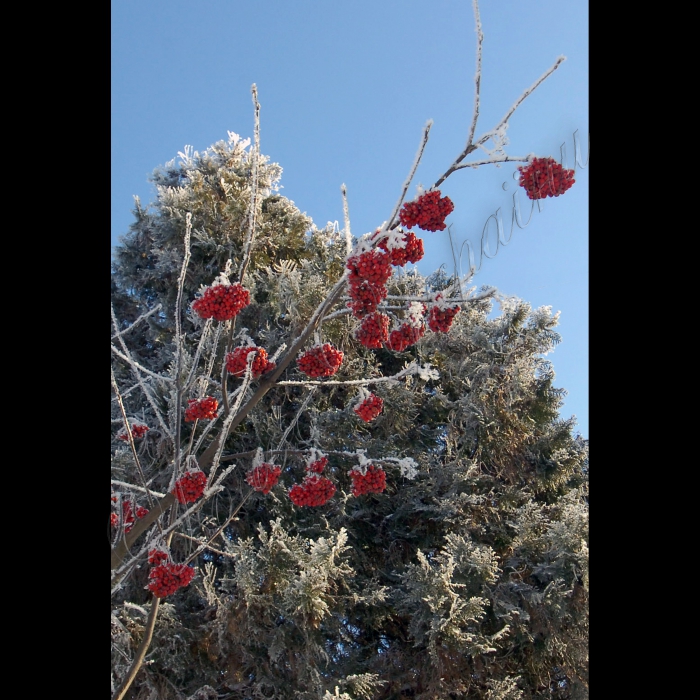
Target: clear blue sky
x=345 y=89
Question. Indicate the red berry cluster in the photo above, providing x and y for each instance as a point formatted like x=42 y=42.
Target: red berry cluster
x=128 y=517
x=544 y=177
x=190 y=487
x=321 y=361
x=201 y=409
x=236 y=361
x=441 y=319
x=157 y=556
x=374 y=330
x=165 y=579
x=405 y=336
x=370 y=408
x=372 y=481
x=263 y=477
x=318 y=466
x=315 y=490
x=138 y=430
x=369 y=272
x=427 y=212
x=221 y=301
x=411 y=252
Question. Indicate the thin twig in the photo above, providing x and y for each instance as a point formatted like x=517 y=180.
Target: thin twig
x=141 y=652
x=412 y=172
x=477 y=77
x=346 y=217
x=158 y=307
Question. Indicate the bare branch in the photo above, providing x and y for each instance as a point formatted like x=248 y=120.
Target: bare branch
x=346 y=217
x=477 y=77
x=158 y=307
x=483 y=139
x=414 y=167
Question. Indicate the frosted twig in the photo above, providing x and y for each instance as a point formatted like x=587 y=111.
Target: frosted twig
x=413 y=368
x=302 y=408
x=220 y=529
x=212 y=423
x=346 y=217
x=477 y=77
x=496 y=159
x=414 y=167
x=136 y=368
x=247 y=377
x=179 y=344
x=483 y=139
x=130 y=436
x=254 y=187
x=134 y=364
x=157 y=494
x=158 y=307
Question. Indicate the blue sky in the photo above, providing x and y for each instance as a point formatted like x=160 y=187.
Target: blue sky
x=345 y=90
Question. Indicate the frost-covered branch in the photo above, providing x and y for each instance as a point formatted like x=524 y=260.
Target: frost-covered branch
x=412 y=172
x=477 y=77
x=483 y=139
x=414 y=368
x=245 y=258
x=142 y=317
x=491 y=161
x=346 y=217
x=133 y=487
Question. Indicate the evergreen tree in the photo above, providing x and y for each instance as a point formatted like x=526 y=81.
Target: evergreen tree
x=310 y=503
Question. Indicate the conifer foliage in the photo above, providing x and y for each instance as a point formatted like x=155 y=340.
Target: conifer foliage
x=355 y=483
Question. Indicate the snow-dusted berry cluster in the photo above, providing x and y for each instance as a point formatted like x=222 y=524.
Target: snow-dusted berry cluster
x=157 y=556
x=316 y=466
x=165 y=579
x=190 y=486
x=544 y=177
x=372 y=481
x=221 y=301
x=374 y=330
x=315 y=490
x=405 y=335
x=412 y=250
x=138 y=430
x=201 y=409
x=236 y=361
x=128 y=517
x=263 y=477
x=440 y=317
x=321 y=361
x=369 y=272
x=369 y=407
x=428 y=211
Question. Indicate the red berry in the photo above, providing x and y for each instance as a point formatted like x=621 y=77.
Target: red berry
x=544 y=177
x=236 y=361
x=440 y=319
x=201 y=409
x=315 y=490
x=374 y=330
x=263 y=477
x=372 y=481
x=165 y=579
x=427 y=212
x=221 y=301
x=405 y=336
x=138 y=430
x=317 y=466
x=320 y=360
x=190 y=487
x=369 y=408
